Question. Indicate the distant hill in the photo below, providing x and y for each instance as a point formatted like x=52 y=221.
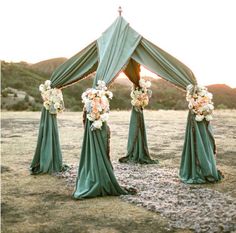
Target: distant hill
x=23 y=78
x=48 y=66
x=223 y=95
x=20 y=82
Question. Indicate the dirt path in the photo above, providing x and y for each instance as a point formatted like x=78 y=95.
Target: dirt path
x=43 y=203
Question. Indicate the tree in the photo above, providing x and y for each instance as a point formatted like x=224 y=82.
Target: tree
x=26 y=98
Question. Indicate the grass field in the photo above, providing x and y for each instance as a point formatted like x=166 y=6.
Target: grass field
x=43 y=203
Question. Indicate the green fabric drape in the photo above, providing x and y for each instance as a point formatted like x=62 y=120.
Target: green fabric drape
x=47 y=157
x=95 y=174
x=132 y=71
x=115 y=47
x=137 y=148
x=192 y=170
x=110 y=54
x=77 y=67
x=163 y=64
x=198 y=163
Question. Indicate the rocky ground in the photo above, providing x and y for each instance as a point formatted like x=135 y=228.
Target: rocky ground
x=163 y=204
x=159 y=190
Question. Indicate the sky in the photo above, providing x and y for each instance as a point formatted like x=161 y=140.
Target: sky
x=200 y=33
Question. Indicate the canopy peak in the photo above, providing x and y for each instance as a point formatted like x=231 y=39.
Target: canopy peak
x=120 y=10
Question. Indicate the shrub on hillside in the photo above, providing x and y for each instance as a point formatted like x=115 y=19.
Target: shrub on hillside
x=4 y=93
x=222 y=106
x=35 y=107
x=26 y=98
x=19 y=106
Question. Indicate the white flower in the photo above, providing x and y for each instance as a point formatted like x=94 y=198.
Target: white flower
x=47 y=83
x=90 y=117
x=47 y=104
x=203 y=93
x=199 y=110
x=110 y=94
x=201 y=88
x=94 y=91
x=142 y=83
x=41 y=88
x=199 y=117
x=208 y=117
x=148 y=84
x=53 y=98
x=188 y=97
x=211 y=106
x=97 y=124
x=57 y=105
x=209 y=95
x=104 y=117
x=189 y=87
x=137 y=92
x=101 y=85
x=205 y=108
x=133 y=102
x=190 y=105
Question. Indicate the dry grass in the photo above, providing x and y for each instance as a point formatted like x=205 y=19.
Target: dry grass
x=43 y=203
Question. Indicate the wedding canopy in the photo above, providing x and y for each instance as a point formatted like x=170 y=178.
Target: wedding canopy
x=120 y=48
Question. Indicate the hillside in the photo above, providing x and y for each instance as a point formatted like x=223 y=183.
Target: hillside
x=24 y=78
x=48 y=66
x=223 y=95
x=20 y=78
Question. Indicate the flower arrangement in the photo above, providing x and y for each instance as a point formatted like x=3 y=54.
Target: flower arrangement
x=96 y=103
x=140 y=95
x=200 y=102
x=52 y=98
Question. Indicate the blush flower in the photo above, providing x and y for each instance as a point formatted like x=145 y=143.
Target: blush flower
x=52 y=97
x=96 y=103
x=140 y=95
x=200 y=102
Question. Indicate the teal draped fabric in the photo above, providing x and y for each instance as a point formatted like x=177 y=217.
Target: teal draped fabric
x=163 y=64
x=119 y=46
x=137 y=148
x=198 y=164
x=77 y=67
x=95 y=173
x=132 y=71
x=115 y=47
x=47 y=157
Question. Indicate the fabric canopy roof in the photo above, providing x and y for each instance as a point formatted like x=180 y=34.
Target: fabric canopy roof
x=120 y=48
x=113 y=51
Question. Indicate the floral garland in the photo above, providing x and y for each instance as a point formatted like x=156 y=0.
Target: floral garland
x=52 y=98
x=200 y=102
x=140 y=95
x=96 y=103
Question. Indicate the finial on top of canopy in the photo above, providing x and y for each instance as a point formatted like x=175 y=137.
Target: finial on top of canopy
x=119 y=10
